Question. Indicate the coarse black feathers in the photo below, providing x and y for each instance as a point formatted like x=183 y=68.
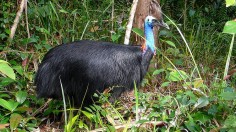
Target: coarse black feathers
x=88 y=67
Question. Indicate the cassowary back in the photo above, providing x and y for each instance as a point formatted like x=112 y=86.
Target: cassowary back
x=88 y=67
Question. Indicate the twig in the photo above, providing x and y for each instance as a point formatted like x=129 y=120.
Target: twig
x=130 y=23
x=131 y=124
x=17 y=19
x=26 y=18
x=112 y=17
x=41 y=108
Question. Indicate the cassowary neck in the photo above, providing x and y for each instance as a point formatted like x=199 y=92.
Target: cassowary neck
x=150 y=42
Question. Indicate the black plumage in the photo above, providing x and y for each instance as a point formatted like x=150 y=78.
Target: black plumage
x=87 y=67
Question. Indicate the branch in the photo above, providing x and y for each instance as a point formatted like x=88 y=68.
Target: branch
x=17 y=19
x=26 y=18
x=130 y=23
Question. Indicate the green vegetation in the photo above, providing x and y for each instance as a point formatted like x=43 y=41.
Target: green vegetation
x=185 y=91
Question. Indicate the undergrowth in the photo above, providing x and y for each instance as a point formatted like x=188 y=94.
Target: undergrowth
x=174 y=95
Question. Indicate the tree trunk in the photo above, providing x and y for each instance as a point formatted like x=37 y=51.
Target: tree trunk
x=145 y=8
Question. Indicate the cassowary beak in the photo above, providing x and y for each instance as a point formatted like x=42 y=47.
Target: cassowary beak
x=160 y=23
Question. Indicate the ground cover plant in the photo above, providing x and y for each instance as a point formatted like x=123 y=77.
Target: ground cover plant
x=187 y=87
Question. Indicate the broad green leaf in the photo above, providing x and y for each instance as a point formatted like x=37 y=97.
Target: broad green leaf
x=7 y=70
x=156 y=72
x=201 y=117
x=177 y=75
x=230 y=122
x=87 y=114
x=230 y=3
x=138 y=31
x=6 y=81
x=15 y=120
x=9 y=105
x=202 y=102
x=230 y=27
x=19 y=69
x=170 y=43
x=228 y=95
x=21 y=96
x=165 y=84
x=115 y=37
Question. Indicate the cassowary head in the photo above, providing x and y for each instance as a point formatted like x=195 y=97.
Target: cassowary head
x=149 y=23
x=152 y=21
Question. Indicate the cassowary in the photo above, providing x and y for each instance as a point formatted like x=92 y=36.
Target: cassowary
x=87 y=67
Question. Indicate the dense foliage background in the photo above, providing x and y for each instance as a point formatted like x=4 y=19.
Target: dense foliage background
x=173 y=92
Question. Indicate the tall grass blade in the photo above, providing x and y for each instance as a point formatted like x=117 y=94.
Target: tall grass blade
x=64 y=101
x=182 y=36
x=229 y=56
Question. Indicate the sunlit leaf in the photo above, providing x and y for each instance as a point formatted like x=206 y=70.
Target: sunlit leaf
x=230 y=3
x=71 y=123
x=230 y=27
x=9 y=105
x=87 y=114
x=7 y=70
x=177 y=75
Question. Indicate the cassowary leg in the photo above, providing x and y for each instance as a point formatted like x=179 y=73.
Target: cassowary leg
x=115 y=93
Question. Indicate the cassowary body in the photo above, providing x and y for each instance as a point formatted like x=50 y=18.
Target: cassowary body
x=88 y=67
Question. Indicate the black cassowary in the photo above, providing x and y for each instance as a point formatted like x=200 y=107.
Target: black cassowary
x=88 y=67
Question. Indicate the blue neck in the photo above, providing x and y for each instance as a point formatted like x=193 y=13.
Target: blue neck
x=150 y=42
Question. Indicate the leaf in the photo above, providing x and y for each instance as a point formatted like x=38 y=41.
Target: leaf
x=230 y=3
x=19 y=69
x=71 y=123
x=228 y=95
x=94 y=29
x=198 y=83
x=202 y=117
x=15 y=120
x=170 y=43
x=202 y=102
x=230 y=27
x=138 y=31
x=230 y=122
x=177 y=75
x=9 y=105
x=21 y=96
x=156 y=72
x=115 y=37
x=111 y=120
x=87 y=114
x=7 y=70
x=165 y=84
x=63 y=11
